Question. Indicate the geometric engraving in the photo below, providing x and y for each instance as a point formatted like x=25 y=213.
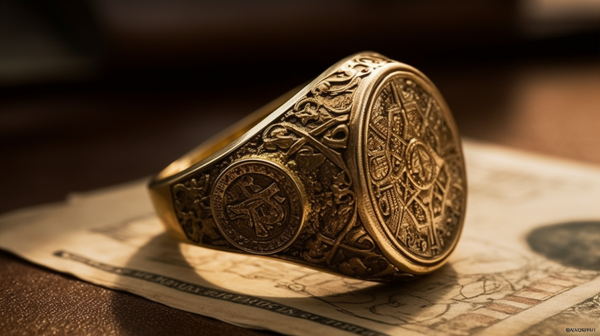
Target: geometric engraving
x=257 y=206
x=422 y=164
x=414 y=169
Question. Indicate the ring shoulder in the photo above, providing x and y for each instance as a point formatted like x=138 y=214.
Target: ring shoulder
x=310 y=140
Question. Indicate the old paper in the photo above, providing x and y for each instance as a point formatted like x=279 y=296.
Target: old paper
x=528 y=261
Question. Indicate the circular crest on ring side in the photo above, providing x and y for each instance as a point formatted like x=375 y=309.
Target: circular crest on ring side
x=258 y=206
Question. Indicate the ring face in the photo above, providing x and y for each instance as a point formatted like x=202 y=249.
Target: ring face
x=257 y=205
x=413 y=168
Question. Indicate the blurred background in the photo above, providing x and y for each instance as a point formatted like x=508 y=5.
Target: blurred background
x=101 y=92
x=95 y=93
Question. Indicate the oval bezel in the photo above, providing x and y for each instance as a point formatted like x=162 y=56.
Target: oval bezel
x=399 y=254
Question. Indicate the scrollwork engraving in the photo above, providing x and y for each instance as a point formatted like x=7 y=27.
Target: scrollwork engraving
x=415 y=174
x=308 y=140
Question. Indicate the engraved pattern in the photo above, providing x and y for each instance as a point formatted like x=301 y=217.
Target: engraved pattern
x=192 y=206
x=309 y=140
x=414 y=168
x=257 y=206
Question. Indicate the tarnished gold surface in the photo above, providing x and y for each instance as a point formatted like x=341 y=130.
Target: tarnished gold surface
x=258 y=206
x=360 y=173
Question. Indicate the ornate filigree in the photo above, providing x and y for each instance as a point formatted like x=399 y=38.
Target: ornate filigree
x=414 y=167
x=192 y=207
x=309 y=140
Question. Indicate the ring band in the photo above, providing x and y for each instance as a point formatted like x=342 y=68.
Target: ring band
x=360 y=173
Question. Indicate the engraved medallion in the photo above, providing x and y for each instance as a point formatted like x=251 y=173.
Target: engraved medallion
x=414 y=171
x=258 y=206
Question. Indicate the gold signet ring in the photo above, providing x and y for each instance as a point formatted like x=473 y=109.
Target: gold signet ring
x=360 y=173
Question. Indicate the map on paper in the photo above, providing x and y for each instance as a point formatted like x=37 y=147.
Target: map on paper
x=528 y=262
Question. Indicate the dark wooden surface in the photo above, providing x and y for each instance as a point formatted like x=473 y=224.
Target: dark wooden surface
x=59 y=139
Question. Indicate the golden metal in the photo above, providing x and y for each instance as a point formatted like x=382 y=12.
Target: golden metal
x=360 y=173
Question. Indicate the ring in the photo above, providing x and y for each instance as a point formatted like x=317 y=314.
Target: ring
x=360 y=173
